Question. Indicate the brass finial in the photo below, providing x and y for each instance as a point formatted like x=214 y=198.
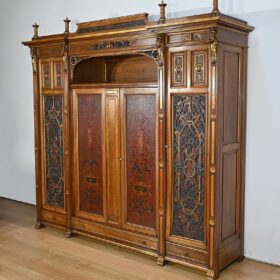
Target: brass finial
x=67 y=21
x=215 y=10
x=162 y=6
x=35 y=26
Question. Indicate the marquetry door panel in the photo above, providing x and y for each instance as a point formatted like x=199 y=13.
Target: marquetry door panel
x=139 y=146
x=89 y=156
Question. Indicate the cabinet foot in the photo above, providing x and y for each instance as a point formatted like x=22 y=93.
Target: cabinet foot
x=240 y=259
x=39 y=225
x=160 y=261
x=68 y=233
x=212 y=275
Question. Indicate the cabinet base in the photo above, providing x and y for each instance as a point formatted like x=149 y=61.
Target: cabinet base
x=68 y=233
x=211 y=275
x=39 y=225
x=160 y=260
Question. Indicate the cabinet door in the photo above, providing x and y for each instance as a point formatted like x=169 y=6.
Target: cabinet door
x=52 y=125
x=139 y=149
x=89 y=153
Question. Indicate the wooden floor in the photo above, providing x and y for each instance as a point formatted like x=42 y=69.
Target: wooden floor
x=26 y=253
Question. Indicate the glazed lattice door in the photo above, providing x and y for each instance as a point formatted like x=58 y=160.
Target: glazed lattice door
x=187 y=161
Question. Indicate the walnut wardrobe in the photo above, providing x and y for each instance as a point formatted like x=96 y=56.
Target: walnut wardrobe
x=140 y=134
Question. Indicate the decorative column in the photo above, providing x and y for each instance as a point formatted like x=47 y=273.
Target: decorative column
x=35 y=26
x=212 y=272
x=66 y=121
x=215 y=10
x=159 y=56
x=162 y=6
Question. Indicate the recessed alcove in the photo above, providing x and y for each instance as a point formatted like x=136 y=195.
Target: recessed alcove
x=117 y=69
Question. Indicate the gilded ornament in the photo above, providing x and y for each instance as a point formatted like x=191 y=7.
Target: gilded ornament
x=214 y=45
x=33 y=53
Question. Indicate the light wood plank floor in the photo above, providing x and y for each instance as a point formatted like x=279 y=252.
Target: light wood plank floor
x=26 y=253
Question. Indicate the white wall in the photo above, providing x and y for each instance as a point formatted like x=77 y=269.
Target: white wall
x=262 y=227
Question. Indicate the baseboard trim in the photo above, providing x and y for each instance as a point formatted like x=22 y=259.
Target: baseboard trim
x=263 y=262
x=10 y=199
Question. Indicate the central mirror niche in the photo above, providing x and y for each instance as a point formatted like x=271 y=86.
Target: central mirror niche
x=116 y=141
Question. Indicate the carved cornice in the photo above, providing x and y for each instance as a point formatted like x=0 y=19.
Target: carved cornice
x=33 y=53
x=112 y=45
x=214 y=45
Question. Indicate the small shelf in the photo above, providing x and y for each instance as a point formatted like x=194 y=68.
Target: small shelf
x=129 y=69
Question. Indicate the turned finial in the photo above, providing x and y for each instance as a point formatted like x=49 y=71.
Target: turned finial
x=67 y=21
x=35 y=26
x=162 y=6
x=215 y=10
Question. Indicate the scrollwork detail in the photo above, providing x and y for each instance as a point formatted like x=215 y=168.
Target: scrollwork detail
x=64 y=52
x=33 y=53
x=214 y=45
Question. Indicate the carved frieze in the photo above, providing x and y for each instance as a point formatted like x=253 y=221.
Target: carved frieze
x=112 y=45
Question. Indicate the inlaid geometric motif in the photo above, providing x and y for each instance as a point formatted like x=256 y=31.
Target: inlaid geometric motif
x=199 y=68
x=54 y=151
x=58 y=74
x=90 y=153
x=178 y=69
x=189 y=166
x=140 y=159
x=46 y=75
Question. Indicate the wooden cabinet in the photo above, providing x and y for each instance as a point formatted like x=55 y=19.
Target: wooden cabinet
x=140 y=135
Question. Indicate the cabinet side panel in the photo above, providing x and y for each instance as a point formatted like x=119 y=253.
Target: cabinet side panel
x=189 y=113
x=230 y=97
x=140 y=159
x=54 y=151
x=230 y=183
x=229 y=195
x=90 y=153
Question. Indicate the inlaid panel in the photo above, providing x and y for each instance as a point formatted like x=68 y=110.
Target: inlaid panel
x=178 y=69
x=46 y=75
x=140 y=159
x=90 y=153
x=189 y=114
x=199 y=68
x=58 y=81
x=54 y=151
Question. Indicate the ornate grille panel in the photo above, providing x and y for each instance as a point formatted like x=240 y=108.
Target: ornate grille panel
x=189 y=166
x=140 y=155
x=178 y=69
x=54 y=151
x=90 y=153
